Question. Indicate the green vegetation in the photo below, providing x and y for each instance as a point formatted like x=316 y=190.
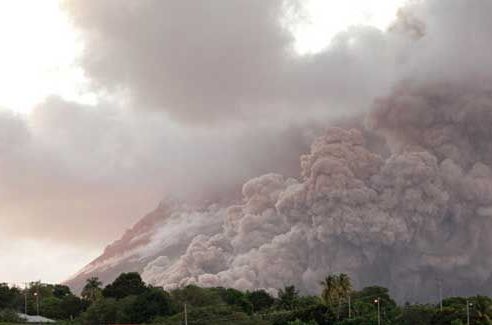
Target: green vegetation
x=128 y=300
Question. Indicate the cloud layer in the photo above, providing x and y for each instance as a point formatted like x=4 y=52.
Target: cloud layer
x=69 y=168
x=225 y=62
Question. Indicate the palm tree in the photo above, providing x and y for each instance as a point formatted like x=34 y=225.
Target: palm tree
x=92 y=289
x=287 y=297
x=329 y=291
x=336 y=287
x=483 y=307
x=344 y=286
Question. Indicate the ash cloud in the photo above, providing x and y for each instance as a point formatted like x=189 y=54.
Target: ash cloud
x=402 y=222
x=400 y=216
x=226 y=62
x=196 y=60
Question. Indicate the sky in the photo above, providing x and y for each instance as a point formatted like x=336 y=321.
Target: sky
x=106 y=112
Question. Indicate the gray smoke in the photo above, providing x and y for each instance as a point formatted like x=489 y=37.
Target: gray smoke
x=226 y=62
x=403 y=221
x=403 y=216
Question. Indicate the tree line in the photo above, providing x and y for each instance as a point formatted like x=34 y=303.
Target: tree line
x=129 y=300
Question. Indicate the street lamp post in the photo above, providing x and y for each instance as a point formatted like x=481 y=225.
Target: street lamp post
x=25 y=299
x=377 y=301
x=440 y=294
x=37 y=302
x=468 y=305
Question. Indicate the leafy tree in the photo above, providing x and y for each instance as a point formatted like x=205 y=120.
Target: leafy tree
x=308 y=301
x=193 y=295
x=455 y=310
x=60 y=291
x=126 y=284
x=92 y=289
x=35 y=293
x=448 y=315
x=287 y=297
x=102 y=311
x=318 y=313
x=72 y=306
x=126 y=313
x=235 y=298
x=260 y=300
x=9 y=316
x=51 y=307
x=9 y=297
x=213 y=315
x=56 y=301
x=364 y=306
x=151 y=304
x=482 y=307
x=368 y=294
x=300 y=322
x=41 y=289
x=417 y=315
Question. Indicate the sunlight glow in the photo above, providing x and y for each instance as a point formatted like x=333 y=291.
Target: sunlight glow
x=325 y=18
x=37 y=52
x=39 y=48
x=33 y=260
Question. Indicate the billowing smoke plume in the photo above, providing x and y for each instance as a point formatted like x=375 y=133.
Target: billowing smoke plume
x=405 y=221
x=405 y=216
x=422 y=214
x=402 y=221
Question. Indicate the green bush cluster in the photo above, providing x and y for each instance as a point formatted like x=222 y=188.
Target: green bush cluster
x=128 y=300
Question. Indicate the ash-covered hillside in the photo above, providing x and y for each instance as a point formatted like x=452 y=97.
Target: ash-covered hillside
x=420 y=215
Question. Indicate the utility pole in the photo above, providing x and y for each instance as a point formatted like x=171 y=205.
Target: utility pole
x=185 y=315
x=379 y=311
x=25 y=298
x=440 y=294
x=468 y=304
x=350 y=308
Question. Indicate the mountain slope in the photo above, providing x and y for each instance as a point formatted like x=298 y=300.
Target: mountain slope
x=403 y=221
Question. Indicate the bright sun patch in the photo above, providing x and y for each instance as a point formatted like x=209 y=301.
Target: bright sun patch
x=38 y=49
x=325 y=18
